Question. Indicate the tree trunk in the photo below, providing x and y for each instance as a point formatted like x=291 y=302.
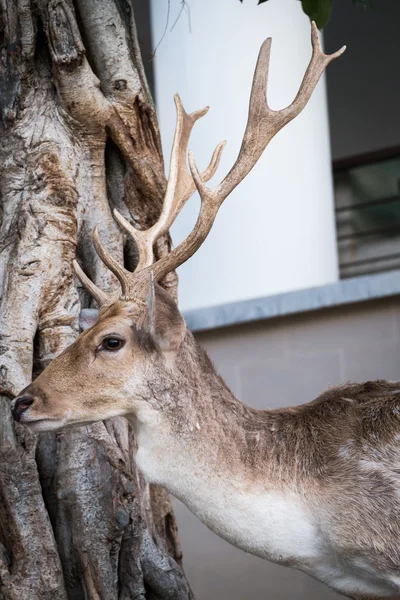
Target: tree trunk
x=79 y=136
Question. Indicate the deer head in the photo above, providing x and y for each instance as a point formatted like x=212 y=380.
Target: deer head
x=115 y=367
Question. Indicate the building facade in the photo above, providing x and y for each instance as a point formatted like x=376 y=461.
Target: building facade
x=297 y=287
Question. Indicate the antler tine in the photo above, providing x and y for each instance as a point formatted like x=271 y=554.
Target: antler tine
x=120 y=273
x=262 y=125
x=213 y=165
x=318 y=63
x=144 y=242
x=98 y=294
x=180 y=185
x=210 y=203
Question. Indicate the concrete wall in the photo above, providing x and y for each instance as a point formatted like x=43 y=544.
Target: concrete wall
x=276 y=363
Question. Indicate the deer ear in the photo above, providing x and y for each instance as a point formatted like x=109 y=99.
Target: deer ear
x=87 y=318
x=166 y=325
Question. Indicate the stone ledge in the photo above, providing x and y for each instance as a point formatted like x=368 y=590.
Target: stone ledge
x=346 y=291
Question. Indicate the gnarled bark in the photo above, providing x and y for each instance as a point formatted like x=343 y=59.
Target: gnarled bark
x=79 y=136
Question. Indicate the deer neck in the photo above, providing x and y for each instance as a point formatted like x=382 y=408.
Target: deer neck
x=211 y=452
x=192 y=417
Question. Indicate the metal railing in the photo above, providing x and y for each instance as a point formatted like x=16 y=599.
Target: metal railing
x=367 y=202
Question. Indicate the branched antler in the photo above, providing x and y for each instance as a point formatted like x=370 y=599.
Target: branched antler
x=179 y=189
x=262 y=125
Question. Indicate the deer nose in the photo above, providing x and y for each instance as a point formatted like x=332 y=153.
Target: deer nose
x=21 y=405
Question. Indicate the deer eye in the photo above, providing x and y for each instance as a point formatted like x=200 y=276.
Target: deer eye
x=111 y=344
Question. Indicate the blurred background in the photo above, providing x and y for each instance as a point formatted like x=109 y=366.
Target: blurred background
x=297 y=287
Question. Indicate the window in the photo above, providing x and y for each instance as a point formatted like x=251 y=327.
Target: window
x=367 y=199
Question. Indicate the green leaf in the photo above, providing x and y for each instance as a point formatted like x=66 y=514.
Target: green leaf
x=318 y=11
x=364 y=3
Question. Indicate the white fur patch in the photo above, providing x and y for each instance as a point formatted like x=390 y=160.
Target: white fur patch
x=266 y=523
x=353 y=580
x=271 y=524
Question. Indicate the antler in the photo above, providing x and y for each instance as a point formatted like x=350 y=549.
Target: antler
x=180 y=188
x=180 y=185
x=262 y=125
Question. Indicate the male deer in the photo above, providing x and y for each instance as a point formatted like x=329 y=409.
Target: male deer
x=315 y=487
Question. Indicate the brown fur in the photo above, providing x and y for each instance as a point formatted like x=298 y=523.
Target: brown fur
x=340 y=452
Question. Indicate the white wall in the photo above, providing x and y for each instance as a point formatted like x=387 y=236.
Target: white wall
x=276 y=231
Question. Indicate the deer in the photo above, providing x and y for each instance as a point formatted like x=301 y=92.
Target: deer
x=315 y=487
